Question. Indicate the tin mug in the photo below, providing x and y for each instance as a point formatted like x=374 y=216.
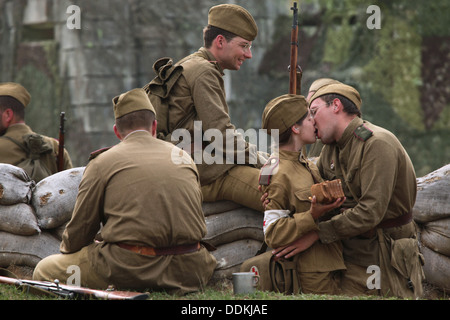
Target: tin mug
x=245 y=282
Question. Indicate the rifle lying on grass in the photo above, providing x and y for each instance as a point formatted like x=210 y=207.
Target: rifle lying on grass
x=71 y=292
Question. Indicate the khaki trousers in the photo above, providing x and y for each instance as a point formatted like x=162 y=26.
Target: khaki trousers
x=354 y=281
x=74 y=267
x=239 y=184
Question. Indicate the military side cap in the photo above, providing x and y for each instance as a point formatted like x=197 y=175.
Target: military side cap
x=319 y=83
x=133 y=100
x=235 y=19
x=16 y=91
x=283 y=112
x=344 y=90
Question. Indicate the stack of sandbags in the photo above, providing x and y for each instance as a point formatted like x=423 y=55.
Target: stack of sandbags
x=31 y=213
x=54 y=198
x=21 y=240
x=236 y=232
x=32 y=218
x=432 y=214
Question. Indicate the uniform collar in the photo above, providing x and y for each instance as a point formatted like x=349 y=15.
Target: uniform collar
x=348 y=132
x=18 y=127
x=135 y=132
x=291 y=155
x=207 y=55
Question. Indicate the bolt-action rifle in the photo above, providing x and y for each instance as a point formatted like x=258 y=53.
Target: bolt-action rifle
x=71 y=292
x=60 y=158
x=295 y=71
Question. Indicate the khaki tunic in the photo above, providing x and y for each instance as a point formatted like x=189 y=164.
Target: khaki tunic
x=199 y=95
x=13 y=154
x=379 y=182
x=290 y=189
x=142 y=198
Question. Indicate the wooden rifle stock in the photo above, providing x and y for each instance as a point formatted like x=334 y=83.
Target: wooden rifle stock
x=295 y=73
x=60 y=159
x=72 y=292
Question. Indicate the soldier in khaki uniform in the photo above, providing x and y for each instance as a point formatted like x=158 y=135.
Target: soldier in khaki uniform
x=290 y=213
x=375 y=225
x=150 y=208
x=14 y=98
x=192 y=91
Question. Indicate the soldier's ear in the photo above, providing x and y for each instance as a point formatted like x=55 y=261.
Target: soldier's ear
x=116 y=131
x=154 y=126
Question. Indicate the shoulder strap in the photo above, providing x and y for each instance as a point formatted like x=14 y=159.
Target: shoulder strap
x=268 y=170
x=21 y=146
x=362 y=132
x=96 y=153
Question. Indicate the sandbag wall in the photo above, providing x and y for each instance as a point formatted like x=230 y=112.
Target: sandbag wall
x=236 y=232
x=32 y=216
x=432 y=214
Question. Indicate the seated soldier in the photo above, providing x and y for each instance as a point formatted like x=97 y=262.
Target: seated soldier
x=290 y=214
x=150 y=208
x=17 y=139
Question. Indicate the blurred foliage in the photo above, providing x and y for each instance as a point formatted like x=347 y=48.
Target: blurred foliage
x=387 y=66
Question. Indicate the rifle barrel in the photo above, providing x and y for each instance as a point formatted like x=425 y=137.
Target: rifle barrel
x=61 y=142
x=294 y=52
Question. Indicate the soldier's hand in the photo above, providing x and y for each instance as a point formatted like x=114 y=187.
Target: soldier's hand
x=264 y=198
x=297 y=246
x=318 y=209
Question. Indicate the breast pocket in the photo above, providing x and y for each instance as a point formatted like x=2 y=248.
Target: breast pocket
x=329 y=174
x=303 y=197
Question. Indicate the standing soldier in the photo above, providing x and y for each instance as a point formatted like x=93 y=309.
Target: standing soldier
x=19 y=145
x=150 y=208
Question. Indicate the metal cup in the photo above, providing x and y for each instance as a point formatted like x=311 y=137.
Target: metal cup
x=245 y=282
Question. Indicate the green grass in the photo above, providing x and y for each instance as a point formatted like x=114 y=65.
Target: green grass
x=221 y=291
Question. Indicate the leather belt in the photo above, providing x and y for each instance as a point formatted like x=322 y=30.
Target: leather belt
x=162 y=251
x=389 y=223
x=396 y=222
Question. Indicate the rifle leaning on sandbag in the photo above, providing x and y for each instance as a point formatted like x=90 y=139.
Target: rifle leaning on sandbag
x=71 y=292
x=60 y=159
x=295 y=71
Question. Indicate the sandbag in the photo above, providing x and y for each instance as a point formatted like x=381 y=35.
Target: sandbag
x=436 y=268
x=436 y=236
x=54 y=197
x=230 y=226
x=15 y=185
x=433 y=196
x=18 y=219
x=230 y=256
x=26 y=250
x=218 y=207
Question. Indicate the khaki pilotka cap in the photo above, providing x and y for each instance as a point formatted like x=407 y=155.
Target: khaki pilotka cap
x=235 y=19
x=16 y=91
x=344 y=90
x=283 y=112
x=133 y=100
x=322 y=82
